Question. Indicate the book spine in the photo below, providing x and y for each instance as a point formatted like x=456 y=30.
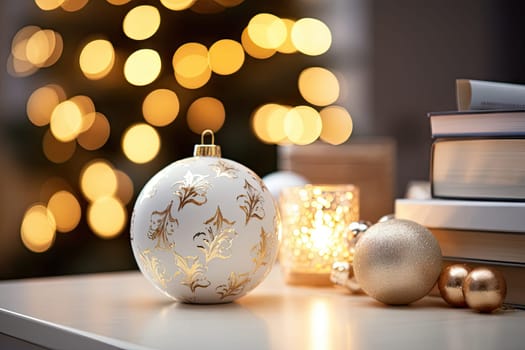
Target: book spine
x=478 y=94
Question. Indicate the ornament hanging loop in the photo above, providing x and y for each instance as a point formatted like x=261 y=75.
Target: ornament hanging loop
x=208 y=132
x=207 y=150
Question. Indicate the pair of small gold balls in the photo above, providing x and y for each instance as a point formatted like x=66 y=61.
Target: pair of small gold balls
x=481 y=288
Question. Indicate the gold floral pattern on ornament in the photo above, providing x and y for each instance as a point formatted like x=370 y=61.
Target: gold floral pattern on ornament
x=262 y=249
x=223 y=169
x=192 y=189
x=153 y=268
x=216 y=241
x=191 y=270
x=235 y=286
x=252 y=203
x=162 y=224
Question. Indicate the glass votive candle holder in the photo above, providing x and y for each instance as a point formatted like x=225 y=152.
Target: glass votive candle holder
x=315 y=226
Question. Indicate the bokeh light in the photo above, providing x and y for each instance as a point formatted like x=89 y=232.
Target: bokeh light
x=73 y=5
x=38 y=228
x=206 y=113
x=337 y=125
x=302 y=125
x=124 y=187
x=287 y=46
x=66 y=121
x=44 y=48
x=42 y=102
x=118 y=2
x=177 y=5
x=229 y=3
x=142 y=67
x=57 y=151
x=141 y=143
x=66 y=211
x=226 y=57
x=141 y=22
x=160 y=107
x=311 y=36
x=268 y=122
x=254 y=50
x=86 y=106
x=97 y=179
x=48 y=5
x=97 y=59
x=191 y=65
x=267 y=31
x=97 y=134
x=318 y=86
x=107 y=217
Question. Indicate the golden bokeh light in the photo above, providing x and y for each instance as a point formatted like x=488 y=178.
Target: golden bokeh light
x=268 y=122
x=191 y=65
x=141 y=143
x=311 y=36
x=66 y=210
x=229 y=3
x=194 y=82
x=177 y=5
x=97 y=134
x=190 y=60
x=98 y=179
x=57 y=151
x=337 y=125
x=226 y=57
x=254 y=50
x=287 y=46
x=207 y=7
x=118 y=2
x=48 y=5
x=38 y=229
x=302 y=125
x=19 y=42
x=66 y=121
x=86 y=107
x=206 y=113
x=41 y=103
x=107 y=217
x=160 y=107
x=267 y=31
x=124 y=187
x=142 y=67
x=73 y=5
x=318 y=86
x=97 y=59
x=43 y=48
x=19 y=68
x=141 y=22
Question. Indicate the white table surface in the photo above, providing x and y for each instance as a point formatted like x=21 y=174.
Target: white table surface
x=122 y=310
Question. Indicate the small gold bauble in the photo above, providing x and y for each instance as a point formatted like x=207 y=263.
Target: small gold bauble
x=450 y=284
x=397 y=261
x=484 y=289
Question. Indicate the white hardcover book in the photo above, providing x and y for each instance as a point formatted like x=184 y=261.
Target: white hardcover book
x=479 y=94
x=463 y=214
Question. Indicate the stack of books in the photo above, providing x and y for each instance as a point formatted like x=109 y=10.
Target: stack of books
x=477 y=182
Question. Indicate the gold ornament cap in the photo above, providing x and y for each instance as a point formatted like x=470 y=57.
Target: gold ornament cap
x=207 y=149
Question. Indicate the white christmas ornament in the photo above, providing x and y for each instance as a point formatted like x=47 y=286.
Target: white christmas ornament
x=205 y=229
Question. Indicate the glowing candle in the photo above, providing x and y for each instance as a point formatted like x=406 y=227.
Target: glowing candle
x=315 y=221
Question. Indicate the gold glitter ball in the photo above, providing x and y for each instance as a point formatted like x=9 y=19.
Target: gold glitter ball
x=397 y=261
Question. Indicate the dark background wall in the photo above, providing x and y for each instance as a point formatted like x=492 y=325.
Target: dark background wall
x=420 y=48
